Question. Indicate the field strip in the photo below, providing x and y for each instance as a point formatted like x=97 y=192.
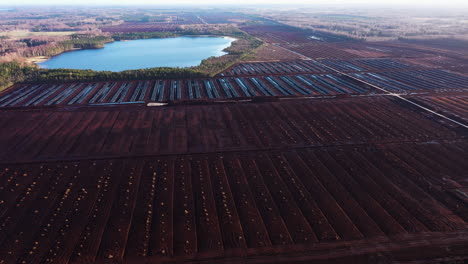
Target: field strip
x=224 y=152
x=394 y=94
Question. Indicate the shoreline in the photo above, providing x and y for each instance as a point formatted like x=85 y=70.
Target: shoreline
x=39 y=59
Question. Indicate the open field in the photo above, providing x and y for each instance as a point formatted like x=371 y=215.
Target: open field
x=378 y=22
x=264 y=204
x=454 y=105
x=280 y=33
x=304 y=78
x=26 y=34
x=270 y=52
x=140 y=130
x=315 y=147
x=195 y=90
x=141 y=27
x=455 y=64
x=319 y=50
x=253 y=181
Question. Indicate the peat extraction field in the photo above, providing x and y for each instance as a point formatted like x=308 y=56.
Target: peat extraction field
x=331 y=150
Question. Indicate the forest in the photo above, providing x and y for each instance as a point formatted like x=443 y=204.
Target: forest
x=14 y=72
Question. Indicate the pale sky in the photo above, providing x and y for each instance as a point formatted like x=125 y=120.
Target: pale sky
x=451 y=3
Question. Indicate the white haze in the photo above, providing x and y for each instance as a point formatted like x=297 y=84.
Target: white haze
x=420 y=3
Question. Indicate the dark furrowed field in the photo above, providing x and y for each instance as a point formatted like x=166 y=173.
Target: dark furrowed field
x=454 y=105
x=285 y=180
x=121 y=131
x=316 y=155
x=288 y=84
x=285 y=34
x=242 y=204
x=198 y=90
x=300 y=78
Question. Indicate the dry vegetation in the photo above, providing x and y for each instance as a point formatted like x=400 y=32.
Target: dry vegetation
x=274 y=160
x=28 y=32
x=377 y=24
x=32 y=35
x=270 y=52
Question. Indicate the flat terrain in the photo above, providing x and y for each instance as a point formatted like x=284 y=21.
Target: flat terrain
x=330 y=151
x=135 y=181
x=26 y=34
x=249 y=81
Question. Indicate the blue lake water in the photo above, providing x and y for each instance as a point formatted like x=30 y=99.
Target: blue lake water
x=184 y=51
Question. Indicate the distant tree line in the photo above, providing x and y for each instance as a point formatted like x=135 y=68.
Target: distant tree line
x=244 y=46
x=143 y=35
x=84 y=41
x=14 y=72
x=54 y=48
x=67 y=75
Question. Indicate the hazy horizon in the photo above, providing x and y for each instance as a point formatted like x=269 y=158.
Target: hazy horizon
x=421 y=3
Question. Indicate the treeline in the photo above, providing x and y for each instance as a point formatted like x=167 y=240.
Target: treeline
x=56 y=47
x=46 y=28
x=68 y=75
x=244 y=46
x=13 y=72
x=166 y=34
x=33 y=42
x=86 y=42
x=143 y=35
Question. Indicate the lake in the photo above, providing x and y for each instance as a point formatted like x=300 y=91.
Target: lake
x=183 y=51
